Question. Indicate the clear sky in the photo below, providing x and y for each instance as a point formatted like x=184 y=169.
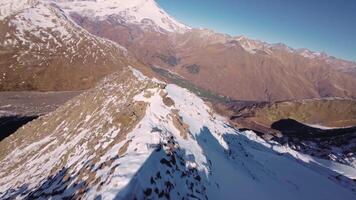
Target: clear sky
x=319 y=25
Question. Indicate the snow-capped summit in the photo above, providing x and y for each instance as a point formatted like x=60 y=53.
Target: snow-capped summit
x=311 y=54
x=252 y=46
x=141 y=12
x=134 y=11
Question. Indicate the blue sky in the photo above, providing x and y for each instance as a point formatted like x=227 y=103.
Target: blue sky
x=319 y=25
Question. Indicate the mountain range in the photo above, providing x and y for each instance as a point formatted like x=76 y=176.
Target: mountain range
x=159 y=115
x=213 y=61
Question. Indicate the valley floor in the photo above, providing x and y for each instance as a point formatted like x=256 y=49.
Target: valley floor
x=29 y=103
x=19 y=108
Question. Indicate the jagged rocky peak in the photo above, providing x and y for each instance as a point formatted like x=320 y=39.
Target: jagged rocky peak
x=133 y=137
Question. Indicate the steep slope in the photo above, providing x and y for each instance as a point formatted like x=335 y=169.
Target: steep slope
x=221 y=63
x=126 y=23
x=133 y=137
x=42 y=49
x=145 y=13
x=56 y=54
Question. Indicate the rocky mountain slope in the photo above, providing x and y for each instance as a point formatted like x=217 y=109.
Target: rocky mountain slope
x=135 y=137
x=254 y=46
x=62 y=56
x=42 y=49
x=218 y=62
x=223 y=65
x=132 y=137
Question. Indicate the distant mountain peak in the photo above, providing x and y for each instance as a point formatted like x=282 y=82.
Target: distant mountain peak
x=251 y=45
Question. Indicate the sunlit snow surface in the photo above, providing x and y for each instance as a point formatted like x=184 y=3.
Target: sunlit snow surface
x=131 y=11
x=215 y=161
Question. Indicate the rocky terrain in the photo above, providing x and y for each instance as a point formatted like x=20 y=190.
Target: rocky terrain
x=223 y=64
x=200 y=115
x=227 y=66
x=42 y=49
x=133 y=137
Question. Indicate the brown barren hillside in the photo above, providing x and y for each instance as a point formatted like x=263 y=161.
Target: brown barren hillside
x=41 y=49
x=61 y=55
x=223 y=64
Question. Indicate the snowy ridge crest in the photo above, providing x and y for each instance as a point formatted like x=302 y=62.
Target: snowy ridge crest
x=133 y=137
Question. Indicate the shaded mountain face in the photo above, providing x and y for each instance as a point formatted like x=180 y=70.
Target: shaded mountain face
x=336 y=144
x=322 y=128
x=42 y=49
x=132 y=137
x=337 y=113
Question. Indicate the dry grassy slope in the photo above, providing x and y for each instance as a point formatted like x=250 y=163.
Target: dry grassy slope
x=145 y=43
x=227 y=68
x=219 y=63
x=104 y=115
x=328 y=112
x=46 y=51
x=210 y=60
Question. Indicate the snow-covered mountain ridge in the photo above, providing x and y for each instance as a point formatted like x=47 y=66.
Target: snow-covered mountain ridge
x=41 y=22
x=132 y=136
x=42 y=48
x=136 y=137
x=254 y=46
x=142 y=12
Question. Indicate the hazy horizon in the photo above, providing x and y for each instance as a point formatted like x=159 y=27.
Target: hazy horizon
x=322 y=26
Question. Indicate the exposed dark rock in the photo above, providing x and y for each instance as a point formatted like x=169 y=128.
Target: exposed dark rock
x=169 y=59
x=193 y=69
x=8 y=125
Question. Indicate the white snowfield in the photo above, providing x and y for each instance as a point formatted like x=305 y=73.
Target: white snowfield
x=212 y=161
x=131 y=11
x=9 y=7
